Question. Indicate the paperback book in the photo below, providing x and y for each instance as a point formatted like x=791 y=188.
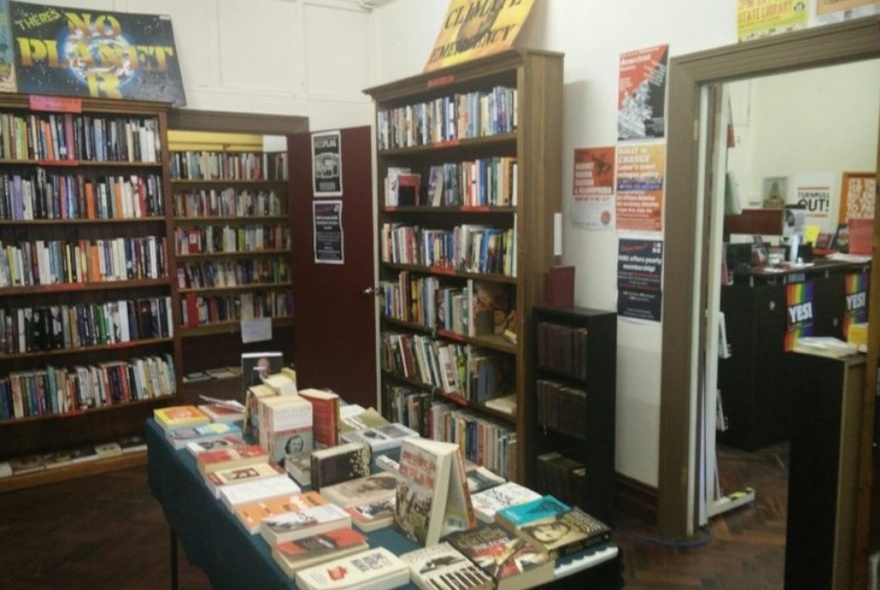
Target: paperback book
x=180 y=437
x=257 y=365
x=566 y=533
x=531 y=512
x=172 y=417
x=325 y=416
x=252 y=514
x=380 y=438
x=239 y=475
x=258 y=490
x=488 y=502
x=285 y=425
x=227 y=458
x=511 y=561
x=374 y=569
x=293 y=556
x=368 y=500
x=443 y=567
x=223 y=412
x=226 y=442
x=302 y=523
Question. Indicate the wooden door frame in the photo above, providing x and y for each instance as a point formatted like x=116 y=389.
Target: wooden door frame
x=683 y=327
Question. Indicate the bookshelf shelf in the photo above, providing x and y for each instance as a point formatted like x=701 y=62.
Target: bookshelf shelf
x=76 y=207
x=229 y=327
x=75 y=471
x=217 y=255
x=520 y=148
x=571 y=407
x=241 y=219
x=248 y=287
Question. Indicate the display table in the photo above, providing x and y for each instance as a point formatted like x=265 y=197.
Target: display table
x=217 y=543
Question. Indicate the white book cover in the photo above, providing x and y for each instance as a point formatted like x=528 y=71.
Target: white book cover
x=488 y=502
x=291 y=526
x=443 y=567
x=255 y=491
x=375 y=569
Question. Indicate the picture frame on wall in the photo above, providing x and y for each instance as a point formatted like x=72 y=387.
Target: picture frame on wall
x=858 y=192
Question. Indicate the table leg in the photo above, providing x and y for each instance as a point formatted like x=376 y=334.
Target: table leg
x=173 y=559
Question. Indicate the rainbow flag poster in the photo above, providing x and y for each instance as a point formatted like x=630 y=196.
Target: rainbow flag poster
x=799 y=313
x=856 y=301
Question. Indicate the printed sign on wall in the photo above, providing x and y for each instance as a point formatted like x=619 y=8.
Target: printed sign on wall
x=641 y=95
x=593 y=191
x=95 y=53
x=640 y=172
x=639 y=275
x=799 y=313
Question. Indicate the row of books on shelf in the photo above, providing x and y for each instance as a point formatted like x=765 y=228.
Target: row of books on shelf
x=483 y=440
x=227 y=202
x=198 y=310
x=57 y=262
x=561 y=407
x=486 y=182
x=44 y=195
x=218 y=240
x=213 y=165
x=566 y=476
x=463 y=371
x=59 y=390
x=70 y=136
x=474 y=528
x=72 y=326
x=475 y=308
x=562 y=348
x=34 y=463
x=231 y=273
x=448 y=118
x=465 y=248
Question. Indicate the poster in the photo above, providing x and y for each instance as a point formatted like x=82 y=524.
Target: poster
x=762 y=18
x=7 y=57
x=641 y=94
x=327 y=164
x=639 y=273
x=826 y=6
x=329 y=242
x=476 y=29
x=814 y=193
x=856 y=286
x=95 y=53
x=640 y=175
x=857 y=196
x=799 y=313
x=593 y=191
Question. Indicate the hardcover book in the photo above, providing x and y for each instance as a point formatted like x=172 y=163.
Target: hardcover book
x=239 y=475
x=285 y=425
x=293 y=556
x=488 y=502
x=172 y=417
x=257 y=365
x=374 y=569
x=258 y=490
x=443 y=567
x=340 y=463
x=513 y=562
x=325 y=416
x=432 y=496
x=252 y=514
x=302 y=523
x=566 y=533
x=253 y=396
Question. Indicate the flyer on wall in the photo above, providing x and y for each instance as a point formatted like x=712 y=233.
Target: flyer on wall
x=640 y=172
x=329 y=239
x=592 y=200
x=639 y=274
x=762 y=18
x=327 y=164
x=641 y=94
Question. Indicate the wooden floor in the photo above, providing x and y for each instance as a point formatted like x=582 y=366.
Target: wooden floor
x=107 y=532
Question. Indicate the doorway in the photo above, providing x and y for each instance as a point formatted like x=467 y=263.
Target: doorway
x=685 y=327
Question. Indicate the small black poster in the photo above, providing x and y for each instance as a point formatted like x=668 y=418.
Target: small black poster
x=95 y=53
x=327 y=216
x=639 y=273
x=327 y=164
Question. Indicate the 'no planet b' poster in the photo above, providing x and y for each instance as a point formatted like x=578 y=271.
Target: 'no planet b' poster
x=95 y=53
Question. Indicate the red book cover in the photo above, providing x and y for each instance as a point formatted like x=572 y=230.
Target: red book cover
x=247 y=454
x=328 y=542
x=559 y=287
x=325 y=415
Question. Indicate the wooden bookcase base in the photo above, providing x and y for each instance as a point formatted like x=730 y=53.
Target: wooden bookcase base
x=59 y=474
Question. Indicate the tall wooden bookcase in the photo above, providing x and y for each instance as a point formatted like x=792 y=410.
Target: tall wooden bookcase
x=84 y=227
x=211 y=135
x=575 y=392
x=491 y=129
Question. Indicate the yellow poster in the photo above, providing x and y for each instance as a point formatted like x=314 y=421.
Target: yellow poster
x=761 y=18
x=477 y=28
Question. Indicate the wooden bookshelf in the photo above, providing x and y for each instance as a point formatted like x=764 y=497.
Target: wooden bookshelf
x=520 y=145
x=88 y=178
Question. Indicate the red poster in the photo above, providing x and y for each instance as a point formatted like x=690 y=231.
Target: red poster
x=641 y=93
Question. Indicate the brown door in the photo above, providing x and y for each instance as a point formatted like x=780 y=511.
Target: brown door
x=335 y=332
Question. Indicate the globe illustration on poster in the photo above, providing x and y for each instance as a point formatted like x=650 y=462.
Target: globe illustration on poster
x=99 y=55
